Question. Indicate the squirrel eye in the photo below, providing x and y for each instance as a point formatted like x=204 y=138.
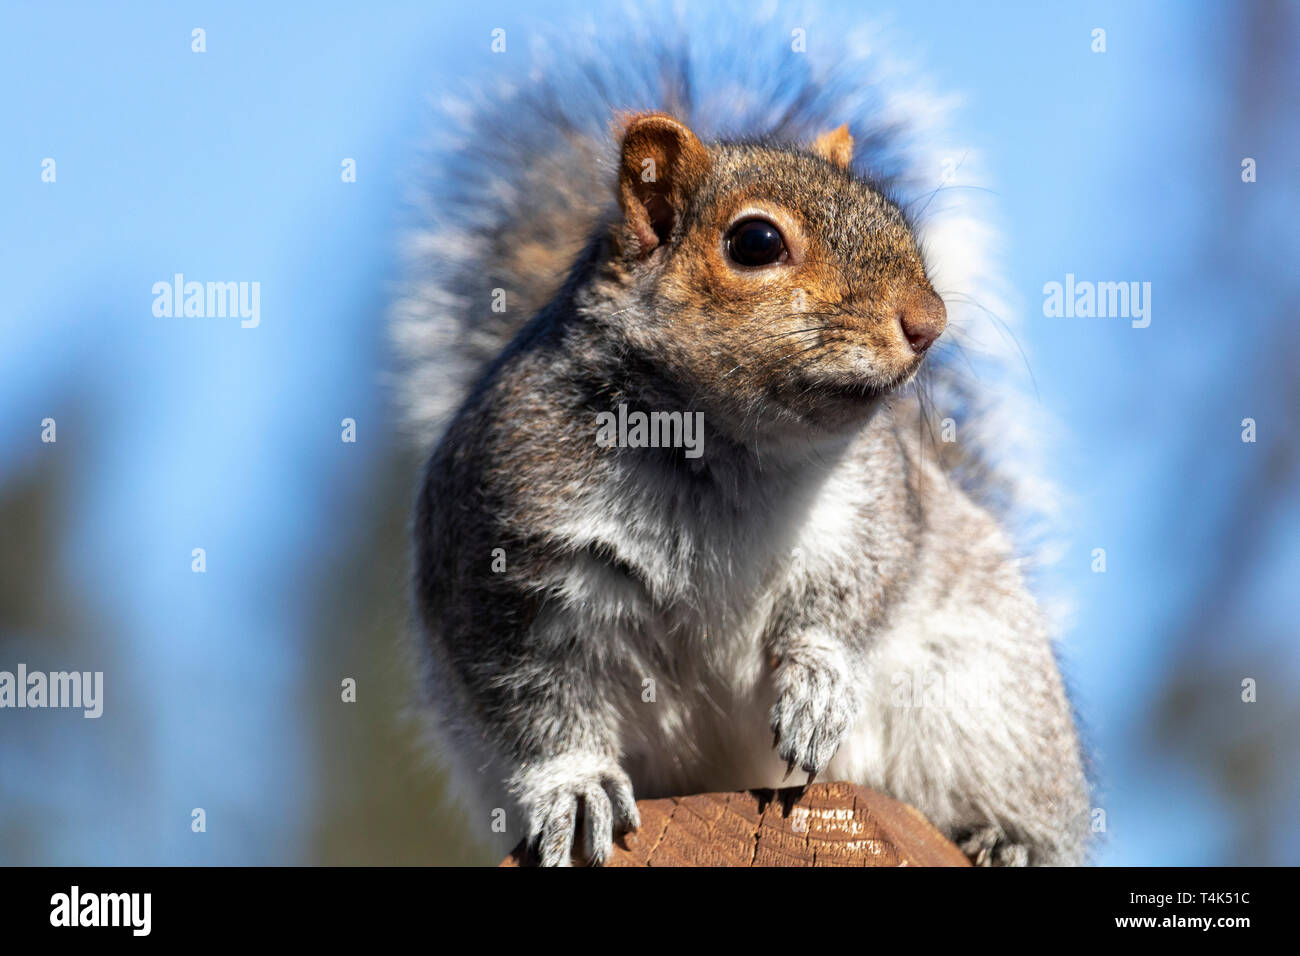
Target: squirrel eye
x=755 y=242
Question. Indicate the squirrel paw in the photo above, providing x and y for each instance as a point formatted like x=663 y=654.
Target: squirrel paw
x=989 y=846
x=556 y=793
x=815 y=709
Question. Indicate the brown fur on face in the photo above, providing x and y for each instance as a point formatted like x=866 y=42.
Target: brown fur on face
x=813 y=340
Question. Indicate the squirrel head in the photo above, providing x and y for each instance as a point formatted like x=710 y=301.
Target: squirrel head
x=781 y=288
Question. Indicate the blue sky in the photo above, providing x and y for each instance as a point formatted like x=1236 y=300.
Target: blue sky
x=190 y=433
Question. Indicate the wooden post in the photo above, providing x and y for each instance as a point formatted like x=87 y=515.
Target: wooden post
x=826 y=824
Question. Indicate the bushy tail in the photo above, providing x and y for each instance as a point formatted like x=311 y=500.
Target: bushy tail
x=523 y=172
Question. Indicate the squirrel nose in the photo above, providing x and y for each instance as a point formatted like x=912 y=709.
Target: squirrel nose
x=922 y=318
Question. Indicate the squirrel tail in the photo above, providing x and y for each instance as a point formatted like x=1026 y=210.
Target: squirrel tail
x=522 y=173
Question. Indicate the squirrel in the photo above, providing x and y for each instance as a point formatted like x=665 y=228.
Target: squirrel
x=606 y=614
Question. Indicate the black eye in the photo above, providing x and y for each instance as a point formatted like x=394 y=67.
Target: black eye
x=755 y=242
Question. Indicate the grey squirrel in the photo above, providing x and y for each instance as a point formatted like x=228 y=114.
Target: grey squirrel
x=806 y=584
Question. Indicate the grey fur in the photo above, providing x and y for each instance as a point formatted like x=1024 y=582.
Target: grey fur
x=854 y=562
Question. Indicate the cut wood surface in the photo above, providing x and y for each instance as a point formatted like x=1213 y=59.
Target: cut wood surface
x=826 y=824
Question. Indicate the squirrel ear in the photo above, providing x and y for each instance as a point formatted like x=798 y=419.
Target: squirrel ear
x=662 y=164
x=836 y=147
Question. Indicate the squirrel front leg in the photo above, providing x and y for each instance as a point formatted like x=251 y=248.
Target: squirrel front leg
x=819 y=665
x=819 y=653
x=817 y=698
x=551 y=700
x=552 y=790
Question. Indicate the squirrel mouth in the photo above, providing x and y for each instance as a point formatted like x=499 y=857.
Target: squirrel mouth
x=859 y=391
